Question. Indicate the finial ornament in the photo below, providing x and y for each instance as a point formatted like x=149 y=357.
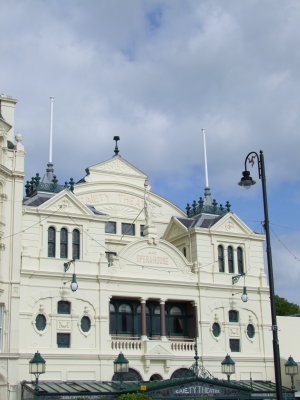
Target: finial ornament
x=116 y=138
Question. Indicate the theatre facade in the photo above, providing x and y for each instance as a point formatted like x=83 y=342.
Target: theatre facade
x=149 y=280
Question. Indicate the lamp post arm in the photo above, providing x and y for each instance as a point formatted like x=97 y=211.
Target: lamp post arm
x=271 y=281
x=251 y=161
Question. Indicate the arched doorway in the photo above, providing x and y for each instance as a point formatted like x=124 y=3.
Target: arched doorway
x=182 y=373
x=155 y=377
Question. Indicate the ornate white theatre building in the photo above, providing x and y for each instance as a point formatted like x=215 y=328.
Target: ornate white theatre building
x=150 y=278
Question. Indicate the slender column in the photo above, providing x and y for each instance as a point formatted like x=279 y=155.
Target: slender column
x=196 y=320
x=143 y=318
x=162 y=319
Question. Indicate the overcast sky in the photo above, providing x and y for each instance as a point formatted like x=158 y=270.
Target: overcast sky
x=155 y=73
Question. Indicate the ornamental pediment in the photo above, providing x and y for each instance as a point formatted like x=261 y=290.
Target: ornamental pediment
x=117 y=166
x=67 y=203
x=159 y=350
x=231 y=224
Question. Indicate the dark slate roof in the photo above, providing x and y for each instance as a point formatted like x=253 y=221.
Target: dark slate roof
x=96 y=212
x=38 y=199
x=200 y=221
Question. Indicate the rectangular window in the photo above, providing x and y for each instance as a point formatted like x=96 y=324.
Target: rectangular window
x=128 y=229
x=234 y=345
x=142 y=228
x=1 y=326
x=110 y=227
x=110 y=256
x=63 y=307
x=233 y=316
x=63 y=339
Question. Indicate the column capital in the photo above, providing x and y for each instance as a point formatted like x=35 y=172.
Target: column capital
x=143 y=300
x=162 y=301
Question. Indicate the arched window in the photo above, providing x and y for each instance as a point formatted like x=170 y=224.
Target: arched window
x=240 y=260
x=63 y=243
x=230 y=259
x=176 y=321
x=153 y=319
x=125 y=317
x=51 y=241
x=132 y=375
x=76 y=244
x=221 y=258
x=125 y=320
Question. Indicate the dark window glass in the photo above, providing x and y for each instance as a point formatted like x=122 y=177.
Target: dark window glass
x=63 y=339
x=240 y=259
x=76 y=244
x=153 y=318
x=234 y=345
x=250 y=331
x=128 y=229
x=125 y=317
x=85 y=324
x=63 y=243
x=216 y=329
x=230 y=259
x=233 y=316
x=110 y=227
x=40 y=322
x=142 y=228
x=177 y=321
x=51 y=241
x=64 y=307
x=221 y=258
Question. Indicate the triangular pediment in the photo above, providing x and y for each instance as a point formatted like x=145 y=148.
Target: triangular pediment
x=66 y=202
x=115 y=166
x=231 y=224
x=159 y=350
x=174 y=229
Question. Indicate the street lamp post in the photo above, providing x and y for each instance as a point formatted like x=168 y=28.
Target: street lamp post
x=291 y=369
x=247 y=182
x=228 y=366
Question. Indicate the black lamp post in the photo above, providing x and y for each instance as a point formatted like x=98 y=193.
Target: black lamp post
x=247 y=182
x=37 y=366
x=228 y=366
x=121 y=366
x=291 y=368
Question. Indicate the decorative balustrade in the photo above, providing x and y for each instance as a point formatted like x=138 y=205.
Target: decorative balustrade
x=182 y=346
x=126 y=344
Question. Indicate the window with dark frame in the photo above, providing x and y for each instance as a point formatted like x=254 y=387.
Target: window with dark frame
x=128 y=229
x=230 y=259
x=76 y=244
x=63 y=340
x=63 y=243
x=63 y=307
x=85 y=324
x=51 y=241
x=250 y=331
x=110 y=256
x=221 y=258
x=240 y=260
x=233 y=316
x=111 y=227
x=216 y=329
x=234 y=345
x=142 y=228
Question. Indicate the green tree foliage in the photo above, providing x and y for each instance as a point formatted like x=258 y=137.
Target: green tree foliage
x=134 y=396
x=284 y=307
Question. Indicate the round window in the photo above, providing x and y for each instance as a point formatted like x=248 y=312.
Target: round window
x=40 y=322
x=250 y=331
x=216 y=329
x=85 y=324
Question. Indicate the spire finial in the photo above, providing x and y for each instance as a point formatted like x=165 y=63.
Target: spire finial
x=207 y=194
x=116 y=138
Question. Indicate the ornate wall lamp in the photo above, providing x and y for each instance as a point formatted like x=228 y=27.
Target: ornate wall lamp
x=244 y=295
x=37 y=366
x=121 y=366
x=74 y=284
